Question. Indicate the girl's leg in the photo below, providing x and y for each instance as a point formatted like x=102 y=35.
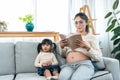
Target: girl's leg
x=55 y=74
x=55 y=71
x=65 y=73
x=83 y=72
x=47 y=74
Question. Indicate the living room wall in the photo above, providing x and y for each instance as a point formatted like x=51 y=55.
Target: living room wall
x=52 y=15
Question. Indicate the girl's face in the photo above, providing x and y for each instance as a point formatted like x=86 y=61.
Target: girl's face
x=46 y=47
x=80 y=24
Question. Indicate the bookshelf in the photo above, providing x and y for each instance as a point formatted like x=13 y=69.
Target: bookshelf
x=86 y=9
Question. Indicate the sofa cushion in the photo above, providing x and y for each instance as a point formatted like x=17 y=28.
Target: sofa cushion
x=29 y=76
x=102 y=75
x=7 y=77
x=25 y=53
x=7 y=64
x=99 y=65
x=61 y=59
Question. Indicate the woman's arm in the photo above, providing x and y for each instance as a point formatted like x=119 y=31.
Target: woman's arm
x=61 y=48
x=90 y=47
x=95 y=52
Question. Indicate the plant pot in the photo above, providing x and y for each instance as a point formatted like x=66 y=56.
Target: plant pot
x=29 y=26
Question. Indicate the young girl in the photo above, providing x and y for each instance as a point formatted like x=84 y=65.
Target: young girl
x=46 y=61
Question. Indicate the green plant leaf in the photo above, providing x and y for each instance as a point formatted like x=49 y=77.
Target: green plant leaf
x=110 y=19
x=27 y=18
x=89 y=24
x=114 y=20
x=116 y=49
x=111 y=26
x=116 y=41
x=115 y=5
x=108 y=14
x=118 y=56
x=114 y=26
x=24 y=20
x=20 y=18
x=115 y=36
x=116 y=30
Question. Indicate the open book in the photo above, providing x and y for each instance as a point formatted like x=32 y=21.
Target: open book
x=71 y=40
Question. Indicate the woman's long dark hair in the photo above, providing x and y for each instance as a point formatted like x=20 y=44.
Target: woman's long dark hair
x=83 y=16
x=46 y=41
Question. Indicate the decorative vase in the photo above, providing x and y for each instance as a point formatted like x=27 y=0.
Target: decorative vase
x=29 y=26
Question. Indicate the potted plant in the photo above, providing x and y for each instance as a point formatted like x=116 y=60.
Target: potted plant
x=28 y=20
x=114 y=27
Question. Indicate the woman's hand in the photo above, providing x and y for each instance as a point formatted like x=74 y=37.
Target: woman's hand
x=63 y=43
x=82 y=44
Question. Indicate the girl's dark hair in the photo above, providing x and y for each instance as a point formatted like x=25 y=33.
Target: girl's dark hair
x=83 y=16
x=46 y=41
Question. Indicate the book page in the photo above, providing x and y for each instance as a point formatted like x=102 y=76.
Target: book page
x=62 y=36
x=71 y=40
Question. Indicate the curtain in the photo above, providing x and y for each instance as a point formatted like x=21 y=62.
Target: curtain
x=52 y=15
x=101 y=25
x=75 y=6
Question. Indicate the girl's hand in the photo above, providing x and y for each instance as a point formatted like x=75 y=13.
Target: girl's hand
x=82 y=44
x=44 y=64
x=49 y=63
x=63 y=43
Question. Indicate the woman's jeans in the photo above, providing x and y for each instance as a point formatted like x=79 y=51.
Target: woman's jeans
x=82 y=70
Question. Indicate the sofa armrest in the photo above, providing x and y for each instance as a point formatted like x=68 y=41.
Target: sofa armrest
x=112 y=65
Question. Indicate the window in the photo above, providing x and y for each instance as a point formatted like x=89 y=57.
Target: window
x=52 y=15
x=11 y=10
x=49 y=15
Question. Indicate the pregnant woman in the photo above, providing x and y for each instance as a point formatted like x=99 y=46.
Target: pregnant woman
x=79 y=61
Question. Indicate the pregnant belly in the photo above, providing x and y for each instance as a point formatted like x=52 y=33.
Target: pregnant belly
x=76 y=56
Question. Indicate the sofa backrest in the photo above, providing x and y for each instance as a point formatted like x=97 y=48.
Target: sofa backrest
x=7 y=62
x=25 y=53
x=20 y=57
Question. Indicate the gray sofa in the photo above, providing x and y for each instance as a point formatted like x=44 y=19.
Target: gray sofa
x=17 y=63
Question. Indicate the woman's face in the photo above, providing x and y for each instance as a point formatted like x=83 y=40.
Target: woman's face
x=46 y=47
x=80 y=24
